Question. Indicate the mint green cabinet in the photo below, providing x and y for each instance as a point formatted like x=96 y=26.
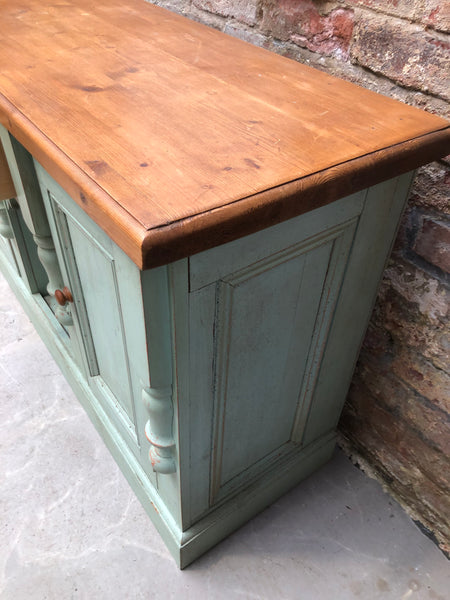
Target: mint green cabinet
x=216 y=381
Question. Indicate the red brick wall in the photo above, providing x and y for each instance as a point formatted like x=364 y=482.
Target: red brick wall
x=397 y=415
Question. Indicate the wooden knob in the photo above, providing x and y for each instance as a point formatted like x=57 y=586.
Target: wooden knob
x=64 y=296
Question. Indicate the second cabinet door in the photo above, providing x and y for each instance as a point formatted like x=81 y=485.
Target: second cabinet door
x=105 y=285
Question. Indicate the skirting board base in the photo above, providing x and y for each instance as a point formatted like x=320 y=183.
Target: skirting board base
x=234 y=513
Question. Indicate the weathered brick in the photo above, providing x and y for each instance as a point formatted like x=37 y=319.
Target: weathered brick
x=411 y=388
x=424 y=378
x=369 y=80
x=397 y=312
x=405 y=53
x=389 y=432
x=432 y=188
x=328 y=31
x=178 y=6
x=429 y=419
x=434 y=13
x=429 y=297
x=248 y=34
x=415 y=471
x=433 y=243
x=431 y=341
x=242 y=10
x=378 y=343
x=402 y=435
x=207 y=18
x=434 y=505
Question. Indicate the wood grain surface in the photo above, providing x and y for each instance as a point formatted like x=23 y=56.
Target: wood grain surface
x=175 y=137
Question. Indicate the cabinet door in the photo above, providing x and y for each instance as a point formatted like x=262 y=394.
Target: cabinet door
x=31 y=246
x=105 y=285
x=260 y=313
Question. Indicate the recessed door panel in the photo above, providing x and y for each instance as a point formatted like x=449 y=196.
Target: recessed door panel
x=261 y=321
x=98 y=278
x=270 y=326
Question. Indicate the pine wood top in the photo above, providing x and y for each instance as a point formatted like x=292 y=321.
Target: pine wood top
x=175 y=137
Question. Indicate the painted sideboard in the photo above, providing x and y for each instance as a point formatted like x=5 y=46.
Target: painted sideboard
x=197 y=229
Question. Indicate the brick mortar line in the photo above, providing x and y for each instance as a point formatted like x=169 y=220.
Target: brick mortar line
x=365 y=354
x=403 y=86
x=339 y=64
x=410 y=21
x=421 y=25
x=415 y=396
x=225 y=21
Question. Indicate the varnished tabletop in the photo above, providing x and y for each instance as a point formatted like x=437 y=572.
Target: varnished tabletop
x=175 y=137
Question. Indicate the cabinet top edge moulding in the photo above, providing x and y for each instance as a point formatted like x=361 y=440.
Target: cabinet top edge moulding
x=175 y=137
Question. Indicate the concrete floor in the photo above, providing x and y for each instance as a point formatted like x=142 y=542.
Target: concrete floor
x=71 y=527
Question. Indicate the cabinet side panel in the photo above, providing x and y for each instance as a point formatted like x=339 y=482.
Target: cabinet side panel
x=372 y=245
x=257 y=339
